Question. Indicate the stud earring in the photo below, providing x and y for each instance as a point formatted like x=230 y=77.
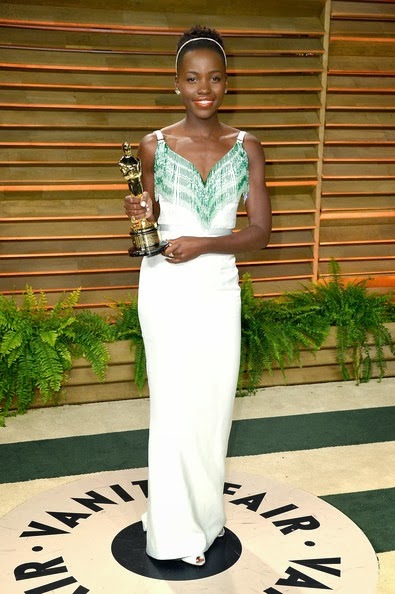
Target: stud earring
x=177 y=91
x=226 y=90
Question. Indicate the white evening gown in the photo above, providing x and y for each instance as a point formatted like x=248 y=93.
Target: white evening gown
x=190 y=319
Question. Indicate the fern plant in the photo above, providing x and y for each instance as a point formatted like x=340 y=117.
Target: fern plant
x=358 y=316
x=126 y=326
x=273 y=331
x=38 y=344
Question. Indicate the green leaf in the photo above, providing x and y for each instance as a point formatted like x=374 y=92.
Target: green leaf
x=10 y=341
x=49 y=336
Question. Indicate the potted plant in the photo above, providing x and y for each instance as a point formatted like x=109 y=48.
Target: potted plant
x=273 y=332
x=126 y=326
x=359 y=317
x=38 y=344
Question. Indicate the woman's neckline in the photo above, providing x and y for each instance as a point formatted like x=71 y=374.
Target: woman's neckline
x=215 y=165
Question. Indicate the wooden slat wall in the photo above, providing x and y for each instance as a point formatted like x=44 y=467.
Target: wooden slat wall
x=76 y=82
x=358 y=217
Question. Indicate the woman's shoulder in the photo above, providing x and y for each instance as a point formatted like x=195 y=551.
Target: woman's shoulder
x=149 y=139
x=252 y=145
x=251 y=139
x=147 y=146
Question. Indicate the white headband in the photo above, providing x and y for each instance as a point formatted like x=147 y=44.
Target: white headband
x=200 y=39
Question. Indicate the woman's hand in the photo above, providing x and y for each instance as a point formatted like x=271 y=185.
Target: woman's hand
x=138 y=208
x=184 y=249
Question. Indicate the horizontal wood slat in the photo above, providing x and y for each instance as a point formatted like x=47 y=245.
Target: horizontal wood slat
x=363 y=10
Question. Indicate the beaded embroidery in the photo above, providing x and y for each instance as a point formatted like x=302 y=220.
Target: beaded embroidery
x=178 y=181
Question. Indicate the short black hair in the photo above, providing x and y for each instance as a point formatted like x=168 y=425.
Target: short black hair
x=201 y=32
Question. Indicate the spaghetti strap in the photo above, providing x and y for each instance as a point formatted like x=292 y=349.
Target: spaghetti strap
x=159 y=135
x=241 y=135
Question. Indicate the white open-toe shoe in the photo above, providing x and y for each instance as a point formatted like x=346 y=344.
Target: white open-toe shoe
x=201 y=559
x=198 y=560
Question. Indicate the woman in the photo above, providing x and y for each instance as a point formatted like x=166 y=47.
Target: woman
x=194 y=174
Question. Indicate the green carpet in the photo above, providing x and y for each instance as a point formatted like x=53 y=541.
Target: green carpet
x=306 y=432
x=373 y=512
x=128 y=449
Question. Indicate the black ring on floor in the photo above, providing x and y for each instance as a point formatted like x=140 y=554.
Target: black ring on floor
x=128 y=548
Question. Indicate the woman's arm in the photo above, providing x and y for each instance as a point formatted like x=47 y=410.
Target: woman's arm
x=258 y=207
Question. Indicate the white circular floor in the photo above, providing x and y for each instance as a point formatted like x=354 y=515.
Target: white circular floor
x=86 y=536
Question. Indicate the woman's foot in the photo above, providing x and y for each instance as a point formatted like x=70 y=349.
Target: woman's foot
x=201 y=559
x=198 y=560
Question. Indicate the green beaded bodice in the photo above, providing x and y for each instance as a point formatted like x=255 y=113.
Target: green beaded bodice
x=183 y=194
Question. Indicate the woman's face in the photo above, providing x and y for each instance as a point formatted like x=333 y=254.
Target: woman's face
x=201 y=79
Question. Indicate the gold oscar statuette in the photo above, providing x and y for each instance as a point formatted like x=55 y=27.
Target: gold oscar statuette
x=145 y=234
